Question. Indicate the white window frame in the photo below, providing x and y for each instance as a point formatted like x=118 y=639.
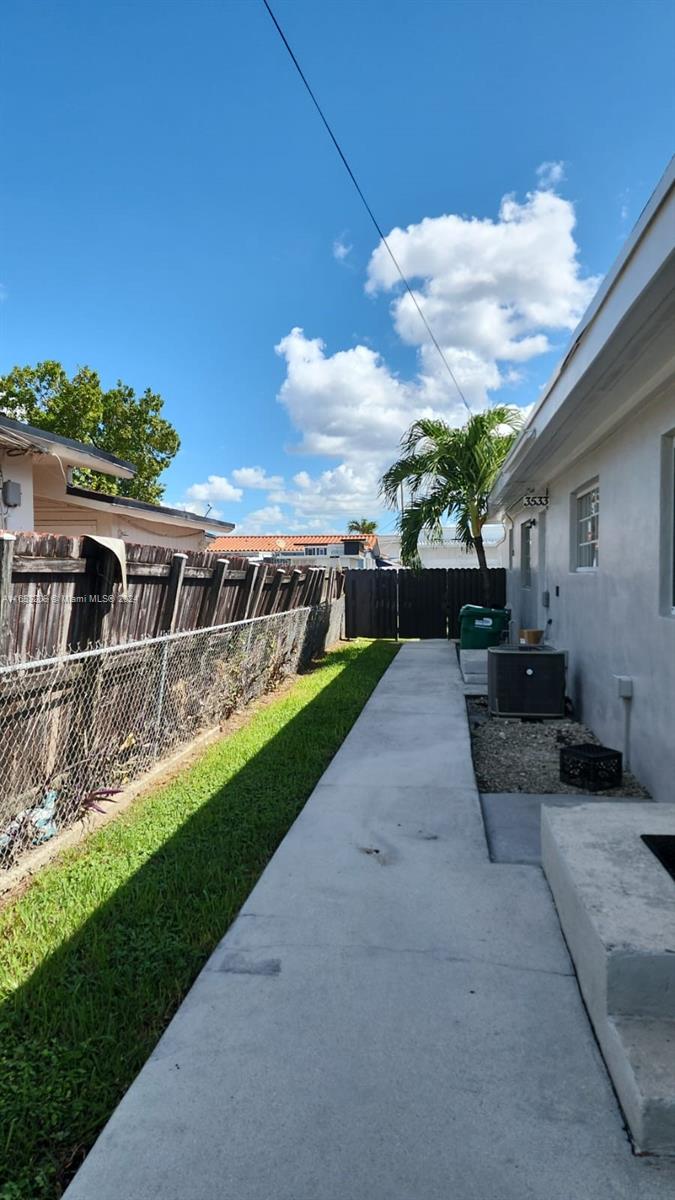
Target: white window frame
x=577 y=520
x=320 y=550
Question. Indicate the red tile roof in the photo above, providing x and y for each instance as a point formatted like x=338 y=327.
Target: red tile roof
x=278 y=542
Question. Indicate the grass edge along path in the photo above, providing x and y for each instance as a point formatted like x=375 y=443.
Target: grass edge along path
x=99 y=952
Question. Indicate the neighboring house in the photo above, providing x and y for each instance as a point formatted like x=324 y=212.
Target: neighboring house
x=37 y=494
x=588 y=492
x=344 y=549
x=449 y=552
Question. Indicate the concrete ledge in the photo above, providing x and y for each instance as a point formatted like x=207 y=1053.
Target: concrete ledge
x=616 y=907
x=616 y=903
x=640 y=1056
x=473 y=665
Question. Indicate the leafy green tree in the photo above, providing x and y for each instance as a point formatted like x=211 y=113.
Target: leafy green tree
x=450 y=472
x=117 y=420
x=362 y=526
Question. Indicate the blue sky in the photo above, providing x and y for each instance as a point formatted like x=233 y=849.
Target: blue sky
x=173 y=210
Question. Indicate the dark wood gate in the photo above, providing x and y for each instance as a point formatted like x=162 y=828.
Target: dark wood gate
x=422 y=604
x=371 y=604
x=414 y=604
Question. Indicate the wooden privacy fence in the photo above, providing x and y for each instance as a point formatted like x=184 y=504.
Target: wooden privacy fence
x=60 y=594
x=414 y=604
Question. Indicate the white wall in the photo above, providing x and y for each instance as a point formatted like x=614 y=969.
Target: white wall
x=618 y=619
x=454 y=555
x=447 y=554
x=19 y=469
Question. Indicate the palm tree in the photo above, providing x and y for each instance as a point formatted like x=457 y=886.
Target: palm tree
x=450 y=472
x=362 y=526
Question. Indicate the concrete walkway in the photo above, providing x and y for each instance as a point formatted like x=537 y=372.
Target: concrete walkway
x=392 y=1016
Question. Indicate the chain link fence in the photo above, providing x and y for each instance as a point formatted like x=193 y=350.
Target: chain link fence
x=76 y=728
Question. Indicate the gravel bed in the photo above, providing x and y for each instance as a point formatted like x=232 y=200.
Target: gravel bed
x=511 y=755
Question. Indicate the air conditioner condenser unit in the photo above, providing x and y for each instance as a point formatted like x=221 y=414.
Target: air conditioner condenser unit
x=526 y=681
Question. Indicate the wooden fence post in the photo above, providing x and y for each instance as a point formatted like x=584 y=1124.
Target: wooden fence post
x=169 y=615
x=6 y=559
x=254 y=605
x=251 y=596
x=214 y=591
x=273 y=597
x=316 y=585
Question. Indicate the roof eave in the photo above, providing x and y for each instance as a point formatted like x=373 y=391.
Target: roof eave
x=73 y=453
x=142 y=509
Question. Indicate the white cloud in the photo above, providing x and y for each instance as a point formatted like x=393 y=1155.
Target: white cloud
x=193 y=506
x=550 y=174
x=491 y=290
x=344 y=403
x=270 y=519
x=256 y=477
x=497 y=292
x=215 y=491
x=341 y=249
x=494 y=291
x=334 y=496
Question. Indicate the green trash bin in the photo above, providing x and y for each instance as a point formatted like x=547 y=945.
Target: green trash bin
x=481 y=627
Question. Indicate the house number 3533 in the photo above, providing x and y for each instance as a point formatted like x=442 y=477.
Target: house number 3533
x=535 y=501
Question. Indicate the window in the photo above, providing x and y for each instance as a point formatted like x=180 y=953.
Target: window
x=526 y=555
x=316 y=550
x=586 y=528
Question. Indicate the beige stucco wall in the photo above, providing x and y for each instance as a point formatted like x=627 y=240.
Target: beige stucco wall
x=616 y=620
x=55 y=516
x=59 y=516
x=44 y=508
x=149 y=533
x=54 y=513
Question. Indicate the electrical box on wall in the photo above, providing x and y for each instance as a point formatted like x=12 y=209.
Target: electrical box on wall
x=11 y=494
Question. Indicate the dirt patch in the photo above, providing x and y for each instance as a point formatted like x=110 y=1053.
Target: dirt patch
x=511 y=755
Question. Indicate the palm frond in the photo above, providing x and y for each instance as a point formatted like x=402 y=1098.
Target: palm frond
x=423 y=515
x=449 y=471
x=463 y=531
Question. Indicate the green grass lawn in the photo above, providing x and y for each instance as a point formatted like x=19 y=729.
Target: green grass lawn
x=96 y=956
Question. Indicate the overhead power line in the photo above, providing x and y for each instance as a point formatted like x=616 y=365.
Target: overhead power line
x=366 y=205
